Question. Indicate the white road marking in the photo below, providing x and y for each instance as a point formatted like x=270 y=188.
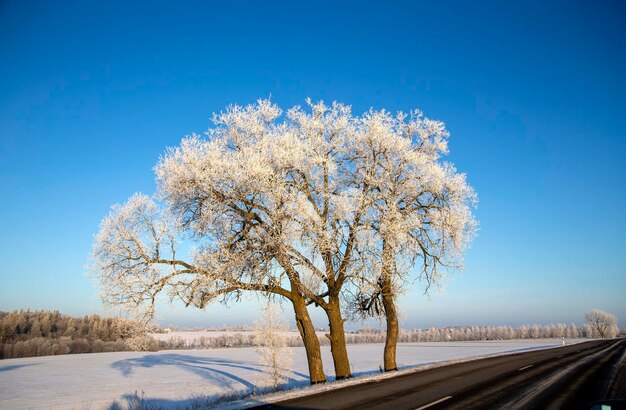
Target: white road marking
x=433 y=403
x=525 y=367
x=526 y=397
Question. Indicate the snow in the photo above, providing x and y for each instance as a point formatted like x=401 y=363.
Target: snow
x=186 y=378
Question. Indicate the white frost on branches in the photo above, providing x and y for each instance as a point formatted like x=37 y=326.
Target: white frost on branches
x=419 y=207
x=272 y=348
x=602 y=324
x=135 y=240
x=305 y=202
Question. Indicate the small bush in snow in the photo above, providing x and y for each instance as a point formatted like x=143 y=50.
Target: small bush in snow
x=272 y=347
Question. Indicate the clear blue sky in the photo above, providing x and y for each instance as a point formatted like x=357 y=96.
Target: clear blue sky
x=534 y=94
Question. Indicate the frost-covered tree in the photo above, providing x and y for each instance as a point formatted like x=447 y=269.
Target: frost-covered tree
x=306 y=207
x=572 y=331
x=419 y=212
x=602 y=323
x=535 y=331
x=272 y=346
x=276 y=200
x=271 y=207
x=136 y=260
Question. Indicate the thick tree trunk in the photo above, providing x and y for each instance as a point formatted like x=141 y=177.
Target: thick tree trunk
x=337 y=339
x=391 y=313
x=310 y=340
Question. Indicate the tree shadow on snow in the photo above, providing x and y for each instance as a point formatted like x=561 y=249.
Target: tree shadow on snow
x=15 y=366
x=211 y=369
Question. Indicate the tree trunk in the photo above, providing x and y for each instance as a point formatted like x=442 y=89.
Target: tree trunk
x=310 y=340
x=391 y=313
x=337 y=339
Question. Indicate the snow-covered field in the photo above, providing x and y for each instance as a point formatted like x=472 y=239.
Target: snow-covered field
x=183 y=378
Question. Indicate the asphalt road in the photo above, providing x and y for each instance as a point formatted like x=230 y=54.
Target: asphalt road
x=569 y=377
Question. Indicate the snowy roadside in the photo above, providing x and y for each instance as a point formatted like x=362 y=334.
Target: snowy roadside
x=196 y=378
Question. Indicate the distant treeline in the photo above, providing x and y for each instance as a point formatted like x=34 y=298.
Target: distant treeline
x=433 y=334
x=478 y=333
x=41 y=333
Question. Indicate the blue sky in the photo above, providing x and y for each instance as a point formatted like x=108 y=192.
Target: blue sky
x=91 y=93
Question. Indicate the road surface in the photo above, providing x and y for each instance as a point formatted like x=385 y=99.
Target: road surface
x=569 y=377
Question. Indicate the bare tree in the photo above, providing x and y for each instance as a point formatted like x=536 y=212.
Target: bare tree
x=419 y=212
x=603 y=324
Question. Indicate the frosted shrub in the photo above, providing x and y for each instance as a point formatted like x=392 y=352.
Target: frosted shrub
x=272 y=347
x=141 y=343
